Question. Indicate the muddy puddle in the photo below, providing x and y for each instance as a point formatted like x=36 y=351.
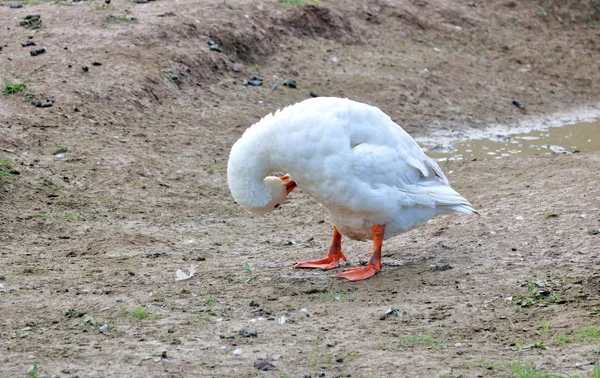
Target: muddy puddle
x=574 y=138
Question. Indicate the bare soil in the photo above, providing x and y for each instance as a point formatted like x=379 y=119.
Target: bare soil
x=122 y=182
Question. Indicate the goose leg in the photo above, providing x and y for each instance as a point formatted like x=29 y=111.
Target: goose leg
x=332 y=259
x=374 y=266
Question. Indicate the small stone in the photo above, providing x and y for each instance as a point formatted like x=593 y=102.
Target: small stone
x=37 y=52
x=458 y=345
x=238 y=352
x=339 y=359
x=256 y=77
x=518 y=105
x=264 y=365
x=314 y=94
x=334 y=60
x=290 y=83
x=274 y=87
x=235 y=69
x=320 y=374
x=155 y=255
x=440 y=268
x=28 y=43
x=16 y=6
x=85 y=68
x=96 y=64
x=39 y=104
x=215 y=47
x=245 y=82
x=103 y=328
x=254 y=83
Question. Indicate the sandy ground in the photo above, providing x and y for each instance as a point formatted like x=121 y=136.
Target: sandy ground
x=122 y=182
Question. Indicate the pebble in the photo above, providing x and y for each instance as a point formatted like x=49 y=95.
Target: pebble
x=36 y=52
x=518 y=105
x=334 y=60
x=28 y=43
x=16 y=6
x=254 y=83
x=235 y=69
x=215 y=47
x=238 y=352
x=290 y=83
x=103 y=328
x=155 y=255
x=458 y=345
x=282 y=320
x=274 y=87
x=264 y=365
x=314 y=94
x=440 y=268
x=39 y=104
x=242 y=332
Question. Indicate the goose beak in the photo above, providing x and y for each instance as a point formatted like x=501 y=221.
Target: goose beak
x=289 y=184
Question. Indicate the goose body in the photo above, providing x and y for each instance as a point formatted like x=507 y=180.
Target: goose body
x=352 y=158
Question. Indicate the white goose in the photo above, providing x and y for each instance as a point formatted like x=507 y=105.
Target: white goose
x=372 y=177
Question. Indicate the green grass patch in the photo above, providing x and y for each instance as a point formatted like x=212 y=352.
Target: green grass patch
x=300 y=3
x=112 y=19
x=585 y=334
x=30 y=96
x=10 y=87
x=519 y=370
x=5 y=167
x=550 y=214
x=588 y=333
x=137 y=313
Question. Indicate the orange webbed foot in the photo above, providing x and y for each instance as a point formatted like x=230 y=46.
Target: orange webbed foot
x=329 y=262
x=374 y=266
x=357 y=274
x=333 y=258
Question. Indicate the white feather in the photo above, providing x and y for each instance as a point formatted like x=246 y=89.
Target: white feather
x=352 y=158
x=182 y=276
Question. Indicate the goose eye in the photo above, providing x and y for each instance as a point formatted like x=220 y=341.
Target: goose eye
x=276 y=205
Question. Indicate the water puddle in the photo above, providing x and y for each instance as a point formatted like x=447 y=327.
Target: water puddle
x=574 y=138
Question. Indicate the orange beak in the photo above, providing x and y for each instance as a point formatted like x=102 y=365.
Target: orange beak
x=289 y=184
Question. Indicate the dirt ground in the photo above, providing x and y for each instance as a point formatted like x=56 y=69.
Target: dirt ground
x=122 y=182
